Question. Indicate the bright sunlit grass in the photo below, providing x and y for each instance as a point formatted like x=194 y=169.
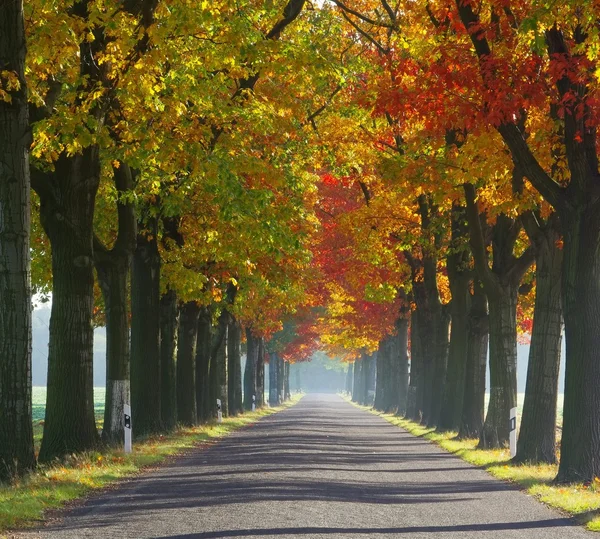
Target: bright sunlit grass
x=23 y=504
x=580 y=500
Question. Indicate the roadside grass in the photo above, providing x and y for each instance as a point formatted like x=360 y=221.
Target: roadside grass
x=23 y=504
x=580 y=500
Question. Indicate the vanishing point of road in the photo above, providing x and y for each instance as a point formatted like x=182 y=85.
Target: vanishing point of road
x=320 y=469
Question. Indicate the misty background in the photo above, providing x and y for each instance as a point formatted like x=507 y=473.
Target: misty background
x=322 y=374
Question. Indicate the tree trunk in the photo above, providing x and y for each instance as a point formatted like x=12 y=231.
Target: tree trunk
x=402 y=342
x=186 y=363
x=67 y=217
x=112 y=277
x=503 y=367
x=273 y=368
x=414 y=404
x=500 y=283
x=203 y=353
x=580 y=443
x=454 y=389
x=287 y=395
x=537 y=437
x=280 y=379
x=357 y=389
x=16 y=436
x=442 y=332
x=383 y=373
x=250 y=385
x=222 y=361
x=260 y=374
x=234 y=369
x=112 y=269
x=473 y=408
x=145 y=336
x=169 y=328
x=349 y=378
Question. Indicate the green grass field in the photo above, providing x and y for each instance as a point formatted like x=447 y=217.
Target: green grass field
x=39 y=402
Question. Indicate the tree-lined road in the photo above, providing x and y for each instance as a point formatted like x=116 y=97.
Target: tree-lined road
x=322 y=468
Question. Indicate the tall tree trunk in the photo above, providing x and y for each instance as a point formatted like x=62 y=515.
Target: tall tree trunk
x=357 y=389
x=442 y=333
x=537 y=437
x=169 y=328
x=203 y=353
x=67 y=217
x=260 y=374
x=234 y=369
x=16 y=436
x=250 y=370
x=280 y=379
x=459 y=279
x=414 y=404
x=349 y=378
x=112 y=277
x=473 y=408
x=402 y=342
x=112 y=269
x=503 y=367
x=287 y=395
x=145 y=336
x=186 y=363
x=500 y=283
x=273 y=369
x=384 y=372
x=222 y=362
x=580 y=443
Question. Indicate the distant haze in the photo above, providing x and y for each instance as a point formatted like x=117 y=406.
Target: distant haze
x=41 y=322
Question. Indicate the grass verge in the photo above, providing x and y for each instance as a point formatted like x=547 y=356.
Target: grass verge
x=23 y=504
x=580 y=500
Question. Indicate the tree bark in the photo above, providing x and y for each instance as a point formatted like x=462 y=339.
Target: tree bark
x=383 y=387
x=16 y=435
x=273 y=369
x=260 y=374
x=203 y=353
x=287 y=395
x=580 y=442
x=234 y=369
x=280 y=379
x=349 y=378
x=358 y=387
x=414 y=404
x=459 y=279
x=145 y=336
x=222 y=362
x=250 y=385
x=186 y=363
x=67 y=217
x=402 y=389
x=169 y=328
x=369 y=372
x=112 y=277
x=112 y=269
x=500 y=283
x=473 y=408
x=537 y=437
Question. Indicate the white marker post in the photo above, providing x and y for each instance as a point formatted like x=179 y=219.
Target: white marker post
x=254 y=403
x=127 y=427
x=219 y=412
x=513 y=432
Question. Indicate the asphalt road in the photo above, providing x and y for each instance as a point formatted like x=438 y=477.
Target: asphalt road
x=320 y=469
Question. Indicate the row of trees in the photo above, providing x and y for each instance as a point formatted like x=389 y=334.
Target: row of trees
x=472 y=161
x=170 y=203
x=390 y=174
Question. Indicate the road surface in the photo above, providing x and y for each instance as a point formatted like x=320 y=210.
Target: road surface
x=321 y=469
